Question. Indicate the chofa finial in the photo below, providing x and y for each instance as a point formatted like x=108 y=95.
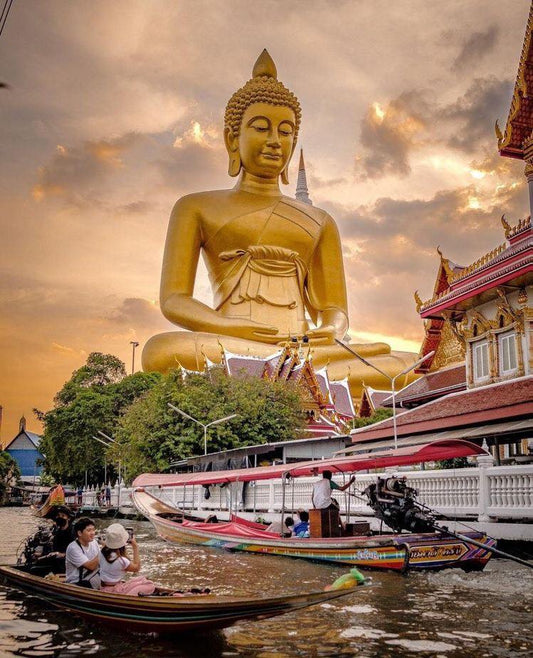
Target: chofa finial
x=265 y=66
x=418 y=301
x=506 y=226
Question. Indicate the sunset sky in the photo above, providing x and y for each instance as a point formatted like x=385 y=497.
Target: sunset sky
x=114 y=110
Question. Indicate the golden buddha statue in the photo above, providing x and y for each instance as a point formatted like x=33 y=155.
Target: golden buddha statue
x=273 y=261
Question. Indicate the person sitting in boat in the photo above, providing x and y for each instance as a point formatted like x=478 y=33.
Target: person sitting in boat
x=83 y=555
x=301 y=529
x=114 y=564
x=285 y=530
x=62 y=535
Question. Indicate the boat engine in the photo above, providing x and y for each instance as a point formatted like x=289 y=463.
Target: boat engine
x=395 y=504
x=36 y=545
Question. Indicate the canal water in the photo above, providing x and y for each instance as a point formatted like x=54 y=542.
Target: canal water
x=448 y=614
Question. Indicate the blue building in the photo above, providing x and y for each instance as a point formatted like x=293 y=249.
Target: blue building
x=24 y=449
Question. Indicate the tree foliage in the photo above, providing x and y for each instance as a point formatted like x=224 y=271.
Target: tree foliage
x=92 y=400
x=376 y=417
x=152 y=435
x=9 y=469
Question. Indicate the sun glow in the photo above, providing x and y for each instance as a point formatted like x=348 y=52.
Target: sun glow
x=379 y=112
x=396 y=342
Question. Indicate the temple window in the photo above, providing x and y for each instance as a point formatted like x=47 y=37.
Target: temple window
x=507 y=352
x=480 y=360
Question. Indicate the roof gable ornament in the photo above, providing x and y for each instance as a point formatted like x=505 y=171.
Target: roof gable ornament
x=510 y=142
x=506 y=226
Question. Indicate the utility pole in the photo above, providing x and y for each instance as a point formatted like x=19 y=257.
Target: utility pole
x=133 y=344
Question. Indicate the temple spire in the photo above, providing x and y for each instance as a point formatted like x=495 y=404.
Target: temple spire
x=302 y=193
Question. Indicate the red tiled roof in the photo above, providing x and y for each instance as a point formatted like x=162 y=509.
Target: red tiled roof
x=323 y=381
x=495 y=402
x=243 y=365
x=429 y=384
x=342 y=398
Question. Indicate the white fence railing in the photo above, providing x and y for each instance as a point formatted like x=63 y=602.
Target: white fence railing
x=484 y=493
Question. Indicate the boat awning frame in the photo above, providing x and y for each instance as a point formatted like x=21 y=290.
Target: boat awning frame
x=443 y=449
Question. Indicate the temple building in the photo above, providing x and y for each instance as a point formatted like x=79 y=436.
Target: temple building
x=478 y=325
x=24 y=448
x=371 y=400
x=328 y=404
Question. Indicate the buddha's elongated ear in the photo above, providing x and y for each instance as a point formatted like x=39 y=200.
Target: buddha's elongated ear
x=232 y=146
x=285 y=172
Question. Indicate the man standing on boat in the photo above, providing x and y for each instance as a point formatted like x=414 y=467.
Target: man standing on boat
x=322 y=491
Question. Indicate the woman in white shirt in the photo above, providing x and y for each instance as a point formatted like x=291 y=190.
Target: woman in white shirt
x=114 y=564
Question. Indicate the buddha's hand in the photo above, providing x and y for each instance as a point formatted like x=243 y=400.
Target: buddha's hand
x=322 y=335
x=333 y=323
x=250 y=330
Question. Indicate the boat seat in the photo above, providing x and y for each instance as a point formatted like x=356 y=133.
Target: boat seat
x=324 y=523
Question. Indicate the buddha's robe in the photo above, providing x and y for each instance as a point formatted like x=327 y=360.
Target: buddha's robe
x=278 y=262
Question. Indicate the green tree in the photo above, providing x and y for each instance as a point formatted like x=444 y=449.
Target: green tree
x=93 y=399
x=376 y=417
x=152 y=435
x=9 y=469
x=454 y=462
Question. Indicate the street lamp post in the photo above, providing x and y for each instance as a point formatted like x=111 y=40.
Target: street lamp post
x=133 y=344
x=391 y=379
x=204 y=425
x=111 y=440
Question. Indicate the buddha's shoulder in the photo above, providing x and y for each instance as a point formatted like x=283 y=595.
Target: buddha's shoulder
x=200 y=200
x=299 y=207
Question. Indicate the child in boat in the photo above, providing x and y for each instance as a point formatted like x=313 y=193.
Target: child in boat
x=284 y=531
x=114 y=564
x=301 y=529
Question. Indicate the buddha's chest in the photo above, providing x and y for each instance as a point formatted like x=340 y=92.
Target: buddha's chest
x=276 y=225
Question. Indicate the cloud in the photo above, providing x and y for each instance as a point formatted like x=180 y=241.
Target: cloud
x=136 y=312
x=389 y=250
x=194 y=160
x=413 y=123
x=472 y=115
x=475 y=47
x=75 y=172
x=389 y=134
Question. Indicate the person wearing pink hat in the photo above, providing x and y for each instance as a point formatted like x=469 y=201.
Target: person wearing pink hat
x=114 y=564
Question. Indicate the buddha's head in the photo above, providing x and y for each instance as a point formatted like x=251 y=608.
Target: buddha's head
x=261 y=124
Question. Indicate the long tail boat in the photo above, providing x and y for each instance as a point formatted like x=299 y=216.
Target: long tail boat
x=161 y=614
x=396 y=551
x=56 y=496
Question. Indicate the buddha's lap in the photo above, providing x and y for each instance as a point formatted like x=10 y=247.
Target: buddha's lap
x=164 y=352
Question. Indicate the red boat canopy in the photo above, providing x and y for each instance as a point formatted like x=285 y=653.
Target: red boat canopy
x=445 y=449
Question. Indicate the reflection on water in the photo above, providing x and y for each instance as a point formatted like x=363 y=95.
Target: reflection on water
x=448 y=614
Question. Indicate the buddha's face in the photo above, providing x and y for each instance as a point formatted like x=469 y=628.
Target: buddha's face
x=266 y=139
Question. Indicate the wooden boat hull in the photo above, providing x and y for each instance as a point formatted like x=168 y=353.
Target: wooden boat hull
x=397 y=552
x=160 y=614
